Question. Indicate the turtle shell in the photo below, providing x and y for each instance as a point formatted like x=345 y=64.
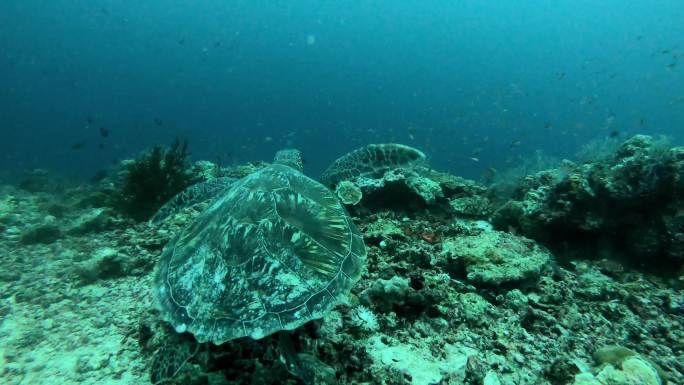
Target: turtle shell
x=275 y=251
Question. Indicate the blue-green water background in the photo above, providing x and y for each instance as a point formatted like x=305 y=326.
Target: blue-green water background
x=491 y=80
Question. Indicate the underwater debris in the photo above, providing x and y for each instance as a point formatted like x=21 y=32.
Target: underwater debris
x=152 y=179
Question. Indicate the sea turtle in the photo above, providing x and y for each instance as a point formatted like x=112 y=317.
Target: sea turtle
x=371 y=160
x=272 y=251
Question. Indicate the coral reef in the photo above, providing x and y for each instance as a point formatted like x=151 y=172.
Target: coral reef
x=617 y=368
x=419 y=188
x=398 y=184
x=444 y=297
x=629 y=206
x=494 y=258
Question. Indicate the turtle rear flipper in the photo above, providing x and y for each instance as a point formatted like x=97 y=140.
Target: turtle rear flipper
x=305 y=366
x=170 y=359
x=191 y=196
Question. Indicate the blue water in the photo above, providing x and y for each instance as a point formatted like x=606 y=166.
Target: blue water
x=475 y=84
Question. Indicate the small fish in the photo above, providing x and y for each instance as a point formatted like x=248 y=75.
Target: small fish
x=589 y=100
x=100 y=146
x=474 y=159
x=489 y=174
x=515 y=143
x=548 y=125
x=98 y=176
x=104 y=132
x=90 y=120
x=614 y=133
x=412 y=133
x=561 y=76
x=642 y=122
x=158 y=122
x=677 y=100
x=476 y=151
x=78 y=145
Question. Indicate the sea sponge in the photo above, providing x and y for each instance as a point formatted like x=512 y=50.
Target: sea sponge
x=364 y=319
x=349 y=193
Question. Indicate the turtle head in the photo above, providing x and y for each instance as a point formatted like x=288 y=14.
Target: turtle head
x=291 y=158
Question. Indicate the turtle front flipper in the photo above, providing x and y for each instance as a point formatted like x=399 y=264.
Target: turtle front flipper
x=191 y=196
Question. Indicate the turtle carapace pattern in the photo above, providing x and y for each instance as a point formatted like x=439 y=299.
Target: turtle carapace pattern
x=191 y=196
x=371 y=159
x=275 y=250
